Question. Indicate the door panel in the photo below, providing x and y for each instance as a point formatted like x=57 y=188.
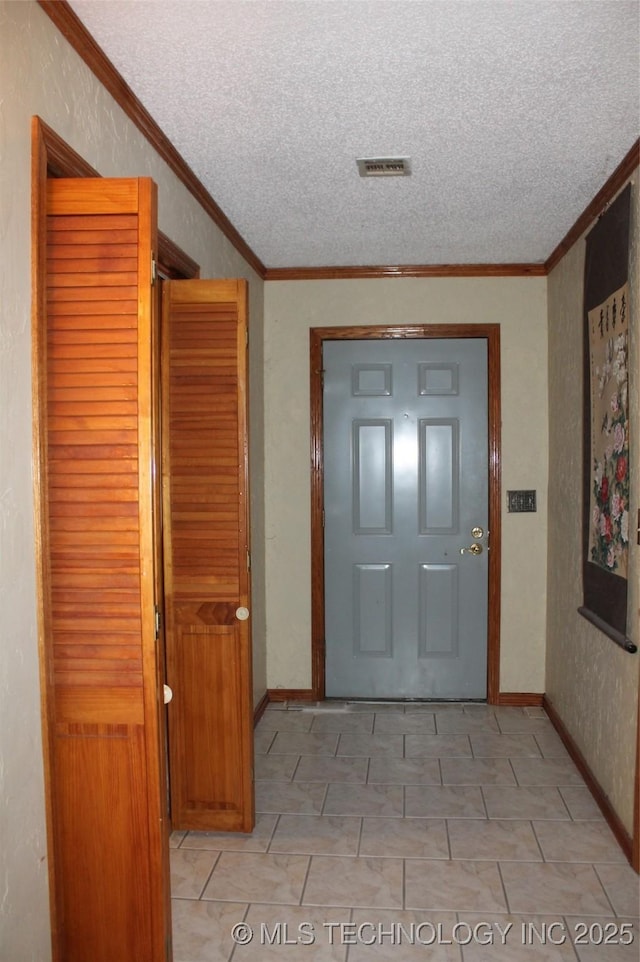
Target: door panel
x=372 y=495
x=372 y=597
x=439 y=470
x=405 y=482
x=438 y=610
x=206 y=554
x=97 y=561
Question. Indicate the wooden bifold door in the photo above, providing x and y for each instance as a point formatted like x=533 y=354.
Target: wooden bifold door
x=98 y=561
x=97 y=444
x=206 y=553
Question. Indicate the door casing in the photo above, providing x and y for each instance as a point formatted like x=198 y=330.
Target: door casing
x=491 y=333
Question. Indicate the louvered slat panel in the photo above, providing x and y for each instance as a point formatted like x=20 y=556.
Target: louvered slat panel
x=203 y=388
x=92 y=330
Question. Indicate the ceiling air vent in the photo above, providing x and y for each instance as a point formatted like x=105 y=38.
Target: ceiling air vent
x=384 y=166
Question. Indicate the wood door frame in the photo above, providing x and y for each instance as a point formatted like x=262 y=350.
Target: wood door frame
x=52 y=157
x=318 y=335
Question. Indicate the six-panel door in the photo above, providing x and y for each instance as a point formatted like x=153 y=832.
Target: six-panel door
x=406 y=509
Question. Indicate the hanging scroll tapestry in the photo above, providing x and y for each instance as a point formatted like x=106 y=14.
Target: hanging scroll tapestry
x=609 y=504
x=606 y=421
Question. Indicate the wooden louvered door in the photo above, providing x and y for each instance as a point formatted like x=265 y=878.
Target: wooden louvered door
x=206 y=554
x=98 y=562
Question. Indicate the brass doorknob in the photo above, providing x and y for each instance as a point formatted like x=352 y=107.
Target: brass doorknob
x=474 y=548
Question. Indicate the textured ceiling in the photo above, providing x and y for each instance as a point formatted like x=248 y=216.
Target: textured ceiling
x=514 y=113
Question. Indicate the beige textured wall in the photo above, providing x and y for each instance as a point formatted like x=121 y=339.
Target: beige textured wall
x=40 y=74
x=592 y=683
x=291 y=309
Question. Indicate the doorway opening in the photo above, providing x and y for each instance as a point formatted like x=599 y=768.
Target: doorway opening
x=97 y=401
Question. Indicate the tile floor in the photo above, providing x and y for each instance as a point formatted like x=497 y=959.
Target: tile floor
x=454 y=833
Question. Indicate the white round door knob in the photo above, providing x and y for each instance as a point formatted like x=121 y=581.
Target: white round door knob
x=242 y=613
x=167 y=694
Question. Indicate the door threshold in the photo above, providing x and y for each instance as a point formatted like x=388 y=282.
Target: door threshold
x=344 y=705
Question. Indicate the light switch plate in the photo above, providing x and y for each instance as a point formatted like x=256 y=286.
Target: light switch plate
x=521 y=501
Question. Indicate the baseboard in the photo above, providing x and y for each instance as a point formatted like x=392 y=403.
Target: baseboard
x=611 y=816
x=291 y=694
x=517 y=699
x=260 y=708
x=520 y=699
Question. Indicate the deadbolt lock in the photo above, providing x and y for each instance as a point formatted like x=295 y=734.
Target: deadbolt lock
x=477 y=532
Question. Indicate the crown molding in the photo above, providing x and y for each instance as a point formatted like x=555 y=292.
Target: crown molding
x=403 y=270
x=72 y=28
x=603 y=198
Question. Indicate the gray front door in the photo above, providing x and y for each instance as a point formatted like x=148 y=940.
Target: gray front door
x=406 y=509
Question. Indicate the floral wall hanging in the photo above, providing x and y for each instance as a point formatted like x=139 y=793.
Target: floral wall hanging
x=606 y=422
x=609 y=508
